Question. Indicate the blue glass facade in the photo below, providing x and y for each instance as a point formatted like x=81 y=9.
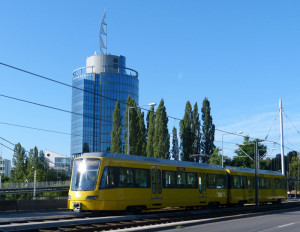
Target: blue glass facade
x=93 y=107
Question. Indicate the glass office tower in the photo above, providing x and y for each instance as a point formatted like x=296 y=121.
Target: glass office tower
x=105 y=79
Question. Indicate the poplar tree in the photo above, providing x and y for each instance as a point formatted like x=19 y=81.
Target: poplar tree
x=150 y=132
x=116 y=141
x=175 y=148
x=133 y=127
x=20 y=162
x=208 y=132
x=196 y=132
x=161 y=133
x=186 y=138
x=141 y=136
x=37 y=160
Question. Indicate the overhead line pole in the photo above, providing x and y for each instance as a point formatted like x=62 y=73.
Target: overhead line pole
x=281 y=136
x=256 y=159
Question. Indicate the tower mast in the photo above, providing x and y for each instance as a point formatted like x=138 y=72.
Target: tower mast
x=103 y=35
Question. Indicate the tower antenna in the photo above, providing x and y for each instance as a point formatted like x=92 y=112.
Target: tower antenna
x=103 y=35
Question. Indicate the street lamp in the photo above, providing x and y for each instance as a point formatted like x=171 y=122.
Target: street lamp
x=150 y=104
x=237 y=133
x=34 y=183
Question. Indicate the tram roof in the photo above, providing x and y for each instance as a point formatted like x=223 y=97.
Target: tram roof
x=251 y=170
x=152 y=160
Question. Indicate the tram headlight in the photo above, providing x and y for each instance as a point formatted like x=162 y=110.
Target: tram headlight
x=91 y=197
x=69 y=197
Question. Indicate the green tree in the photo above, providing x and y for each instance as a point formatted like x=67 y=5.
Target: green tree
x=150 y=132
x=37 y=160
x=196 y=132
x=208 y=131
x=175 y=147
x=245 y=151
x=186 y=137
x=216 y=157
x=133 y=127
x=20 y=162
x=294 y=171
x=161 y=133
x=142 y=142
x=116 y=133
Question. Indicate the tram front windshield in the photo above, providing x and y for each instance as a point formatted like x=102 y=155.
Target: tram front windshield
x=85 y=173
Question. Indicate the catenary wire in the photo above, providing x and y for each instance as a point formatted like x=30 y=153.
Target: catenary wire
x=71 y=86
x=68 y=85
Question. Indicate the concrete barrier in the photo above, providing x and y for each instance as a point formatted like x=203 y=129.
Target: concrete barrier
x=15 y=205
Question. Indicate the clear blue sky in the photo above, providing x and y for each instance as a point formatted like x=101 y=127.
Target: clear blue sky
x=242 y=55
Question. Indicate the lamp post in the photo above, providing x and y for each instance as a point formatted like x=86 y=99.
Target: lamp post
x=237 y=133
x=34 y=183
x=150 y=104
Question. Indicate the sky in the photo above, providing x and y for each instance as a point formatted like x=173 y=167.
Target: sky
x=242 y=55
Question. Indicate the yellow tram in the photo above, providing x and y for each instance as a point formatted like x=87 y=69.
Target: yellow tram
x=107 y=181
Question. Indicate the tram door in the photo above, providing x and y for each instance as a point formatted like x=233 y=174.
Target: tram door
x=202 y=187
x=251 y=188
x=273 y=186
x=156 y=186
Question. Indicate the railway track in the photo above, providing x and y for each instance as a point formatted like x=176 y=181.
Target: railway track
x=148 y=221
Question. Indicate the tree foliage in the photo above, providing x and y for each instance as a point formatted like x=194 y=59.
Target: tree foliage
x=150 y=132
x=20 y=162
x=208 y=132
x=161 y=146
x=196 y=133
x=186 y=138
x=133 y=127
x=175 y=146
x=116 y=133
x=26 y=163
x=246 y=153
x=141 y=136
x=216 y=157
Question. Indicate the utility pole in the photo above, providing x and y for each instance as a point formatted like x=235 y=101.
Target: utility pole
x=281 y=136
x=34 y=184
x=256 y=160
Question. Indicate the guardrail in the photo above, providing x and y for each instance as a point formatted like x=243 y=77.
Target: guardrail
x=23 y=185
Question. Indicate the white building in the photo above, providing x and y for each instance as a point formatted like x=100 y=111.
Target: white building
x=5 y=166
x=57 y=161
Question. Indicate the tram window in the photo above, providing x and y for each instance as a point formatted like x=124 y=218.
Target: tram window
x=191 y=180
x=107 y=179
x=180 y=180
x=168 y=179
x=236 y=182
x=211 y=181
x=204 y=182
x=126 y=178
x=159 y=181
x=261 y=183
x=280 y=183
x=142 y=178
x=153 y=181
x=220 y=181
x=244 y=182
x=267 y=183
x=200 y=182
